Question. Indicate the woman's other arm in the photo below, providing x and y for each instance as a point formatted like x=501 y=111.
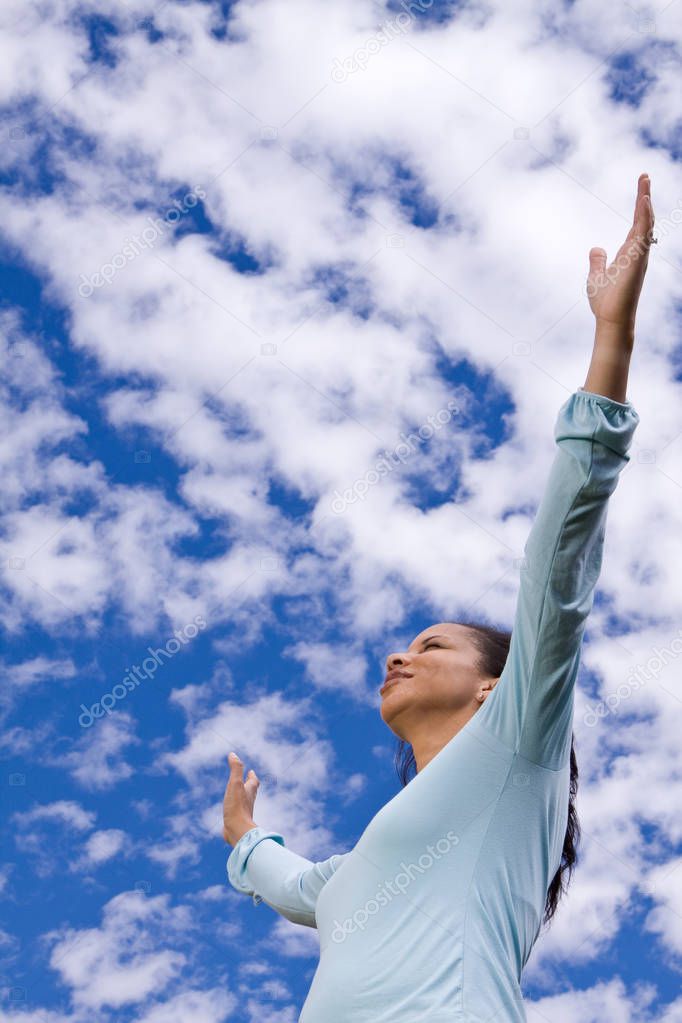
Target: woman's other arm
x=259 y=864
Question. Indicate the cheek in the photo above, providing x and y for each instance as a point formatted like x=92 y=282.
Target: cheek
x=449 y=688
x=439 y=690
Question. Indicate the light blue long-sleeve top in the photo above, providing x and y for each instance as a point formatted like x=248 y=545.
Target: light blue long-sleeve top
x=432 y=916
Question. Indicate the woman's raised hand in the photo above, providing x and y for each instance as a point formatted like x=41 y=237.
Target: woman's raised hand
x=238 y=801
x=614 y=291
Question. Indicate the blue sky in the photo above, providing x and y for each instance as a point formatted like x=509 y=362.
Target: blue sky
x=247 y=252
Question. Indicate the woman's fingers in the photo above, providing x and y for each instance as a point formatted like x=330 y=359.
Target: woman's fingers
x=251 y=789
x=597 y=260
x=644 y=213
x=640 y=233
x=613 y=289
x=237 y=770
x=638 y=239
x=250 y=785
x=643 y=220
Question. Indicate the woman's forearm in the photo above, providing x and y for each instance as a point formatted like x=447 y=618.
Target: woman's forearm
x=610 y=364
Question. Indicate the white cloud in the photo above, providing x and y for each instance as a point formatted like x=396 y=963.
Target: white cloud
x=293 y=941
x=48 y=834
x=37 y=669
x=125 y=960
x=64 y=810
x=33 y=418
x=331 y=667
x=5 y=871
x=38 y=1016
x=19 y=741
x=210 y=1006
x=23 y=675
x=664 y=882
x=103 y=845
x=214 y=893
x=177 y=850
x=604 y=1001
x=97 y=760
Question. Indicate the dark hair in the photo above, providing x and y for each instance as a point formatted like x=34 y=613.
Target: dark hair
x=493 y=648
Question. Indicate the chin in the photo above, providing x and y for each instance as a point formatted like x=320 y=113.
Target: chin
x=388 y=714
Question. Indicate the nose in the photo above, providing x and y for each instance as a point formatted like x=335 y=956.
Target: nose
x=395 y=661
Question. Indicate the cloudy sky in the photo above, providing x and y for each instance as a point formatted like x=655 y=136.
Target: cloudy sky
x=251 y=252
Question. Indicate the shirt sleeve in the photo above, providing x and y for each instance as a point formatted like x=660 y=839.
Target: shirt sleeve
x=531 y=708
x=273 y=874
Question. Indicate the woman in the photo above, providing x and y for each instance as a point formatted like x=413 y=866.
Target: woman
x=433 y=914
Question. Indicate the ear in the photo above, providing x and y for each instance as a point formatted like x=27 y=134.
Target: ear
x=485 y=688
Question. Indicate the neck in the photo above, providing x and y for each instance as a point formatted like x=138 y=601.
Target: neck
x=432 y=732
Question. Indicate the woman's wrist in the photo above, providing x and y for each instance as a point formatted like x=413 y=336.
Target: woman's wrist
x=233 y=835
x=610 y=363
x=615 y=335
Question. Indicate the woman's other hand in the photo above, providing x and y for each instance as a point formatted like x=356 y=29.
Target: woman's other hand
x=238 y=801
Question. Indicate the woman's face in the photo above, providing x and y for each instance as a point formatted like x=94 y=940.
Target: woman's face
x=441 y=676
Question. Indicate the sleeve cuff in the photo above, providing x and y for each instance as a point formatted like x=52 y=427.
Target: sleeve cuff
x=594 y=417
x=604 y=401
x=237 y=860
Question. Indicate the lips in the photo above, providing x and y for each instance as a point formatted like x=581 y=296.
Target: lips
x=392 y=678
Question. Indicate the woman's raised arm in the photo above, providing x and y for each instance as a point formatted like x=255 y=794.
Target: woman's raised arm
x=531 y=706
